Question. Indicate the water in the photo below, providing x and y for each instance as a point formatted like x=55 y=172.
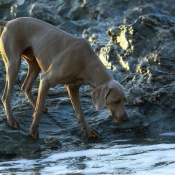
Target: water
x=142 y=156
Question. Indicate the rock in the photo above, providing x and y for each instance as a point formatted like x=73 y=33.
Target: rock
x=49 y=140
x=77 y=14
x=45 y=12
x=5 y=8
x=145 y=50
x=74 y=26
x=134 y=39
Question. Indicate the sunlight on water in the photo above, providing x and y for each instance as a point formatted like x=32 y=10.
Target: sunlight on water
x=118 y=159
x=168 y=134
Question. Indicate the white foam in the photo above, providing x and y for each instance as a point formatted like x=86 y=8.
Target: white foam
x=119 y=159
x=168 y=134
x=18 y=164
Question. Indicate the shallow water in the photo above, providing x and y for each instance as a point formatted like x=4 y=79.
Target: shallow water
x=143 y=155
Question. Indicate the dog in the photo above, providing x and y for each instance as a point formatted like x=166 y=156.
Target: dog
x=63 y=59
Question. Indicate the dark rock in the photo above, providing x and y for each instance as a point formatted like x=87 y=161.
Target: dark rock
x=77 y=14
x=74 y=26
x=145 y=50
x=45 y=12
x=5 y=8
x=138 y=49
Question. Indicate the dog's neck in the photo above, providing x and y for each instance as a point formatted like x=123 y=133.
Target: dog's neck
x=99 y=76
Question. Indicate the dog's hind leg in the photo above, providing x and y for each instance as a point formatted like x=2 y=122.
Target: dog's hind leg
x=12 y=68
x=73 y=91
x=33 y=71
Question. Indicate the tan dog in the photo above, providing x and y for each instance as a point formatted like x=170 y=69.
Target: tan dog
x=63 y=59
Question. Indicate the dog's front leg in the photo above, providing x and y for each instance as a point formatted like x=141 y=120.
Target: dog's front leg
x=73 y=91
x=42 y=93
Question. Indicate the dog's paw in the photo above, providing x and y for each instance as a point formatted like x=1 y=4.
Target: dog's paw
x=13 y=124
x=34 y=133
x=92 y=133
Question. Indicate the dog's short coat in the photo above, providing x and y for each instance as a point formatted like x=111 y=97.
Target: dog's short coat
x=63 y=59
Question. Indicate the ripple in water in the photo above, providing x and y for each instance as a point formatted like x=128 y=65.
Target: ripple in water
x=118 y=159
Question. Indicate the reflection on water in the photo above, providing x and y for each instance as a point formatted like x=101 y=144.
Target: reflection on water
x=118 y=157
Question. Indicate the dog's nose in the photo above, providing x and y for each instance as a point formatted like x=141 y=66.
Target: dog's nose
x=125 y=118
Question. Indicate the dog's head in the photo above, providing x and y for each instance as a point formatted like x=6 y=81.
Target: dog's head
x=111 y=95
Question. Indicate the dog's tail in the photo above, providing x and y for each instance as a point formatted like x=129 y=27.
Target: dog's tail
x=3 y=23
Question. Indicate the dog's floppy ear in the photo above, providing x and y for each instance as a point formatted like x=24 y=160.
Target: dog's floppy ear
x=99 y=96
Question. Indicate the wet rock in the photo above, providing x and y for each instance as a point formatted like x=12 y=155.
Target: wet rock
x=45 y=12
x=19 y=144
x=77 y=14
x=134 y=39
x=145 y=50
x=136 y=121
x=5 y=8
x=142 y=42
x=51 y=140
x=145 y=9
x=74 y=26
